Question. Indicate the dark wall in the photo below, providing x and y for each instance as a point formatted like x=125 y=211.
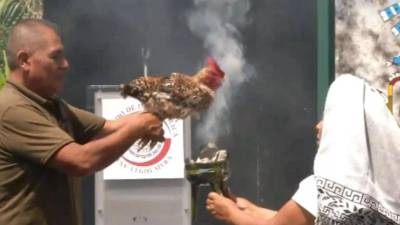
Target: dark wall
x=272 y=141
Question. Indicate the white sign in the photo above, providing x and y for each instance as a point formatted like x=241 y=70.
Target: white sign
x=164 y=160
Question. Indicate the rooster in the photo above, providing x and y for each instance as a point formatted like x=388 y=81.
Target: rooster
x=178 y=95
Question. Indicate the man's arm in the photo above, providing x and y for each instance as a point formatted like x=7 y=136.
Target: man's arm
x=290 y=214
x=107 y=145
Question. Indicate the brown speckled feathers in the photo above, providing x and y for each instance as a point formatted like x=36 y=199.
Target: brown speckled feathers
x=177 y=95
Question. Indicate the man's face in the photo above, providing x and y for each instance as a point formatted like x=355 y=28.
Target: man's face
x=47 y=65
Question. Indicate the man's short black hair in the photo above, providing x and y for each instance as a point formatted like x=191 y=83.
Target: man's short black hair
x=25 y=35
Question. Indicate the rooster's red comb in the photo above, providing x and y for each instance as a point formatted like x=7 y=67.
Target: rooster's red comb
x=214 y=67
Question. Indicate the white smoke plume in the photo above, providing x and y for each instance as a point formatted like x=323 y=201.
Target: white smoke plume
x=364 y=43
x=216 y=22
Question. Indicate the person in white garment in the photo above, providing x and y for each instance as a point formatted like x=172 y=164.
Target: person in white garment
x=300 y=210
x=356 y=168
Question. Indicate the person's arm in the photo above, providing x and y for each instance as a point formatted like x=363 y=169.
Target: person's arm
x=290 y=214
x=107 y=145
x=251 y=208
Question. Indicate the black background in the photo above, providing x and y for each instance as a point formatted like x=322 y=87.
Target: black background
x=272 y=142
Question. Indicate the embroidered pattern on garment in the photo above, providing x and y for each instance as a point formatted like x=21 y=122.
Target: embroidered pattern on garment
x=340 y=205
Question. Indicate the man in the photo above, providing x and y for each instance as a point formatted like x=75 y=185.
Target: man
x=44 y=142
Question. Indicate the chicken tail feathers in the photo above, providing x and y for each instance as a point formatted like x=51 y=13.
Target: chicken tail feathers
x=131 y=90
x=125 y=90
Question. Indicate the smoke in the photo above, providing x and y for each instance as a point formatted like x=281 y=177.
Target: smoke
x=364 y=43
x=216 y=22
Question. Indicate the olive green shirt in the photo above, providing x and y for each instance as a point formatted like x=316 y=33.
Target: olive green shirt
x=32 y=130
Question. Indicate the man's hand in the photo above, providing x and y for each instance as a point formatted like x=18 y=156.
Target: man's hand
x=152 y=130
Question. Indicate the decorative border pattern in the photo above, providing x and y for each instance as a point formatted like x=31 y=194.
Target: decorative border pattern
x=338 y=204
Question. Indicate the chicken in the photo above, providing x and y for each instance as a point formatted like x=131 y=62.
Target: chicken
x=178 y=95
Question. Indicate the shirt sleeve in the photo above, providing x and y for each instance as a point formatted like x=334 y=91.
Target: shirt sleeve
x=86 y=124
x=28 y=133
x=306 y=195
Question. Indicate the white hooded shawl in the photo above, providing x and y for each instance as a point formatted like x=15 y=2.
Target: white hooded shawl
x=357 y=167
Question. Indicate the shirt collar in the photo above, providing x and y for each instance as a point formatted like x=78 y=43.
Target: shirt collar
x=31 y=95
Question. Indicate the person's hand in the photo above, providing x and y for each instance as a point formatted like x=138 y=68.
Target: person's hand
x=220 y=207
x=254 y=210
x=245 y=204
x=152 y=130
x=243 y=210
